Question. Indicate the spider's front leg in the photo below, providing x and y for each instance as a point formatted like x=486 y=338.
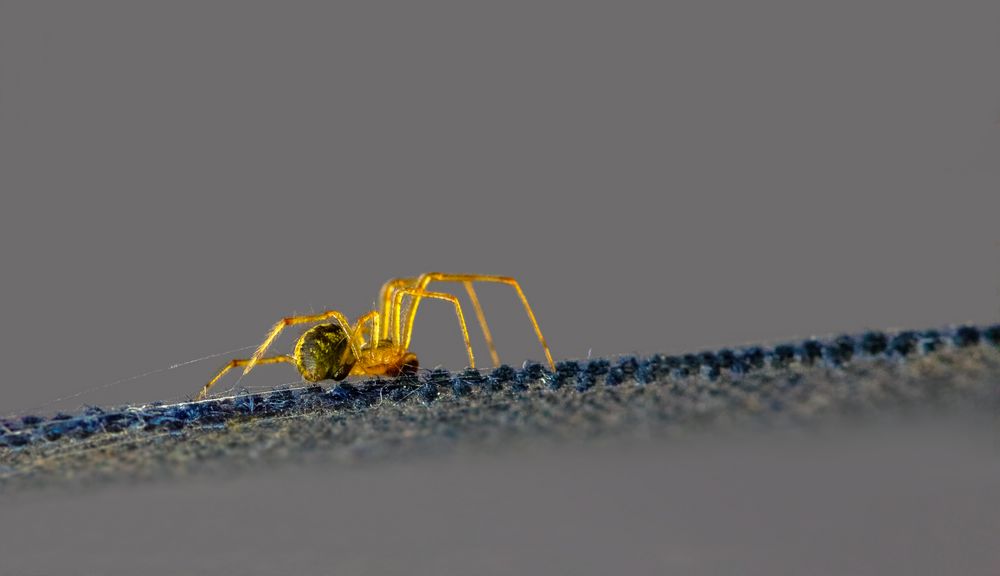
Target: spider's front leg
x=374 y=331
x=390 y=288
x=404 y=341
x=468 y=279
x=386 y=295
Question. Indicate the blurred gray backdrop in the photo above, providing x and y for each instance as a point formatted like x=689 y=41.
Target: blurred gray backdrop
x=662 y=177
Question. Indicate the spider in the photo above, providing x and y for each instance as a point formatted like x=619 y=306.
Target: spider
x=378 y=344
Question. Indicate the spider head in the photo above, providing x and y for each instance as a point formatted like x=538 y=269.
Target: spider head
x=324 y=353
x=408 y=364
x=387 y=359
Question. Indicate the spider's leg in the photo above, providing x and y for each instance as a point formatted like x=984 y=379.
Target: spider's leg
x=385 y=295
x=426 y=279
x=404 y=341
x=291 y=321
x=389 y=289
x=375 y=332
x=235 y=363
x=481 y=317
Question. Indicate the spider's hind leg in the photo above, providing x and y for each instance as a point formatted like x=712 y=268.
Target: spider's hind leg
x=236 y=362
x=293 y=320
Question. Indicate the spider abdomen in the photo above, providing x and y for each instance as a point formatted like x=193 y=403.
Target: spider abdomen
x=324 y=353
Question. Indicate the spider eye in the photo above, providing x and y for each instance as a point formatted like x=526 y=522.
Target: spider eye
x=324 y=353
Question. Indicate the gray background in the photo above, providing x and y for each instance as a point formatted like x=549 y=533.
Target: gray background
x=661 y=177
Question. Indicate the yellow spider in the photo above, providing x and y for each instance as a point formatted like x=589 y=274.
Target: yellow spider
x=378 y=343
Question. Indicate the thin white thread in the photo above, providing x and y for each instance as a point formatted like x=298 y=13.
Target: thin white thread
x=129 y=379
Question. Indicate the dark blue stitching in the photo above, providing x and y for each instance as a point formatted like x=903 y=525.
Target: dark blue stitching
x=583 y=375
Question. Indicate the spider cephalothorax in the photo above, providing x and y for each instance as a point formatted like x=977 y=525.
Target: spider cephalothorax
x=378 y=343
x=387 y=359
